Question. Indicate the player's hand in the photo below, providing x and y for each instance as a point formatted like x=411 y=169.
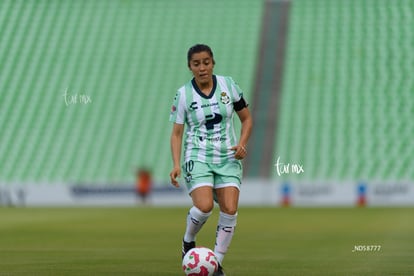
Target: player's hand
x=240 y=151
x=176 y=172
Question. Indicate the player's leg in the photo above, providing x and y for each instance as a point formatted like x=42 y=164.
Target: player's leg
x=202 y=208
x=227 y=190
x=228 y=199
x=200 y=186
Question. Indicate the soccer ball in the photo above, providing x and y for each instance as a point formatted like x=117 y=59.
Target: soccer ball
x=200 y=261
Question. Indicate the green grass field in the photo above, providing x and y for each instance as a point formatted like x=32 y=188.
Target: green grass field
x=147 y=241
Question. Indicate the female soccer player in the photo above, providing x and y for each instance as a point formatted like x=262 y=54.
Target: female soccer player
x=212 y=156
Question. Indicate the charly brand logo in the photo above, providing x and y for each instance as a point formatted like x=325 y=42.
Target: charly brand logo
x=73 y=99
x=287 y=168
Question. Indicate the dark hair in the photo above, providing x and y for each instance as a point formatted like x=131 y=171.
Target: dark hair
x=198 y=48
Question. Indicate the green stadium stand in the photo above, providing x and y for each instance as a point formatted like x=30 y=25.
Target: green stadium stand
x=346 y=109
x=124 y=61
x=347 y=106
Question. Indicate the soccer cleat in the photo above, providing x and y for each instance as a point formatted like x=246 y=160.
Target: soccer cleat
x=219 y=271
x=186 y=247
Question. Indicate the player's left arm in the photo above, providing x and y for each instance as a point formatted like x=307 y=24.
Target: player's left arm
x=246 y=129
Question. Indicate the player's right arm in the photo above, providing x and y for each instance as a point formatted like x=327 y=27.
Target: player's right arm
x=176 y=143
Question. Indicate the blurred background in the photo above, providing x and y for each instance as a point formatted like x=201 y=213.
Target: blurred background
x=86 y=89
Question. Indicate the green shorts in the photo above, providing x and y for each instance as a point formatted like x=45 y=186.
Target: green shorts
x=198 y=174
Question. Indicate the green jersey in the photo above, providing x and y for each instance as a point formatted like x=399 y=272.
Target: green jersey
x=210 y=132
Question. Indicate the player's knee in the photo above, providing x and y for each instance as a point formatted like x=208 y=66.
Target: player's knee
x=230 y=210
x=205 y=207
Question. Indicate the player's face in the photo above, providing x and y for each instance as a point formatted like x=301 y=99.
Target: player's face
x=201 y=64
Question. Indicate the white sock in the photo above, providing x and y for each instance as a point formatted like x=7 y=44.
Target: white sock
x=195 y=220
x=225 y=231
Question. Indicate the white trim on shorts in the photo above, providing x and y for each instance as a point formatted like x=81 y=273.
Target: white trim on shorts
x=217 y=186
x=224 y=185
x=205 y=184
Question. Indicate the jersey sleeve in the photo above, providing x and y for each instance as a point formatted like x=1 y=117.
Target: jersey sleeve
x=235 y=90
x=177 y=114
x=237 y=95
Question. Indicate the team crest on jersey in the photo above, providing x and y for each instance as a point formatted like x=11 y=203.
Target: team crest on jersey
x=225 y=99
